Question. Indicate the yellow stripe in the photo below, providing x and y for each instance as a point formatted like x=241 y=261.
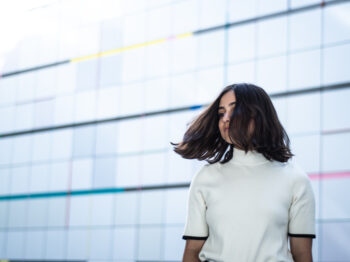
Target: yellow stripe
x=83 y=58
x=184 y=35
x=122 y=49
x=4 y=260
x=117 y=50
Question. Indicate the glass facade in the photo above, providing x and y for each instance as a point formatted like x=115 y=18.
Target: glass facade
x=94 y=91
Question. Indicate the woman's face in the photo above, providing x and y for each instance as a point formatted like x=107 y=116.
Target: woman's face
x=226 y=107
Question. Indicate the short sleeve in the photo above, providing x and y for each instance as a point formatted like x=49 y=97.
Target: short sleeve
x=196 y=226
x=302 y=209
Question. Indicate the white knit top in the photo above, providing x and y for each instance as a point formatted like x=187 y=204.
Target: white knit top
x=246 y=208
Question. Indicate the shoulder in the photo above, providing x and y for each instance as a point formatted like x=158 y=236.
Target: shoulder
x=290 y=171
x=205 y=173
x=297 y=174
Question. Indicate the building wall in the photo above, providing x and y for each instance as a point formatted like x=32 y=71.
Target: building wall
x=89 y=102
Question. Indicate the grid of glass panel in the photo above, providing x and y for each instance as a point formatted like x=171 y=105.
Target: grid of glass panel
x=287 y=52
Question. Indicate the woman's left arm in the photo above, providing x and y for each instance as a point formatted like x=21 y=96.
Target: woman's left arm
x=301 y=248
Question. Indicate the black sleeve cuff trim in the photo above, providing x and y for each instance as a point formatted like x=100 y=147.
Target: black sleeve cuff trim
x=302 y=235
x=195 y=238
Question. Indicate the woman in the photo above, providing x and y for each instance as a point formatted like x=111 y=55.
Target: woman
x=250 y=196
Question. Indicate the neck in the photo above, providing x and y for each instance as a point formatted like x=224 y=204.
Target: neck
x=252 y=157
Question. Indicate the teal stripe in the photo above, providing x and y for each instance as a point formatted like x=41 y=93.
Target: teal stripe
x=62 y=193
x=97 y=191
x=111 y=190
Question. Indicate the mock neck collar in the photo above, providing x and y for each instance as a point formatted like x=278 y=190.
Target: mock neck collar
x=251 y=158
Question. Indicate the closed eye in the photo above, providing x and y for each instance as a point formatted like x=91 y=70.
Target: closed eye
x=230 y=104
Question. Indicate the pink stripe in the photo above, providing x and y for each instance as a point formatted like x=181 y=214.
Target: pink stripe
x=329 y=175
x=171 y=37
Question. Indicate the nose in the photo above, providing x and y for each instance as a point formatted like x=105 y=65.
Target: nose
x=226 y=117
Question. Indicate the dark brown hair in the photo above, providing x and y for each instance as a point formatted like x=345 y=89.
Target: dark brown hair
x=202 y=140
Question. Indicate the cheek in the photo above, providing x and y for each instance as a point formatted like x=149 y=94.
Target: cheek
x=220 y=125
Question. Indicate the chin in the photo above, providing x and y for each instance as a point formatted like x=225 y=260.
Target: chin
x=227 y=140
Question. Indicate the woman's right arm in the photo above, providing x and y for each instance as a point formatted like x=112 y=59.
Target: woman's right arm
x=192 y=249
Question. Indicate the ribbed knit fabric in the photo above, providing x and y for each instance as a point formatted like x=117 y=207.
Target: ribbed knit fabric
x=245 y=209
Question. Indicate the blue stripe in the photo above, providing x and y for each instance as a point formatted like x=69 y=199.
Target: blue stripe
x=195 y=107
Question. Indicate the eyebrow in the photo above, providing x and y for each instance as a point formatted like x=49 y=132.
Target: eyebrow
x=230 y=104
